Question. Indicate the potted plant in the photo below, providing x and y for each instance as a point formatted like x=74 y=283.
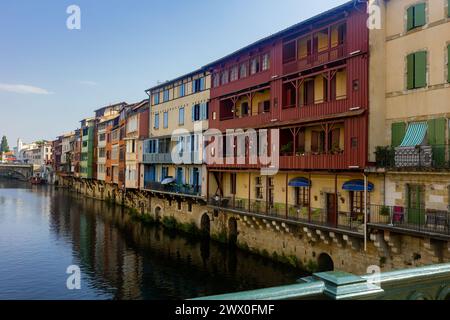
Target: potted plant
x=385 y=214
x=286 y=148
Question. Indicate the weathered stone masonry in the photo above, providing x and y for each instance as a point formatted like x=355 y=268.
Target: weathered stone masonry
x=307 y=247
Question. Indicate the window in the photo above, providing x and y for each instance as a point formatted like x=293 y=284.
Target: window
x=302 y=196
x=164 y=173
x=233 y=183
x=101 y=137
x=101 y=152
x=416 y=16
x=254 y=66
x=198 y=85
x=357 y=202
x=318 y=141
x=234 y=73
x=166 y=95
x=216 y=80
x=156 y=121
x=243 y=71
x=224 y=77
x=196 y=112
x=181 y=116
x=166 y=120
x=417 y=70
x=266 y=62
x=182 y=90
x=259 y=188
x=156 y=98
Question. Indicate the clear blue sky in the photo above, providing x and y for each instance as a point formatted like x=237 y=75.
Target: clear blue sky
x=52 y=77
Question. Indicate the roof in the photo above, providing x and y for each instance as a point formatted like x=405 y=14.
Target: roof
x=176 y=79
x=284 y=32
x=110 y=106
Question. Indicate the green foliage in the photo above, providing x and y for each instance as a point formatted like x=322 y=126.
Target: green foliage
x=169 y=222
x=312 y=266
x=4 y=147
x=220 y=237
x=189 y=228
x=384 y=211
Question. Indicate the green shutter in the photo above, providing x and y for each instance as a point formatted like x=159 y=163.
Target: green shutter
x=448 y=58
x=420 y=69
x=436 y=138
x=410 y=75
x=410 y=21
x=398 y=133
x=448 y=8
x=419 y=15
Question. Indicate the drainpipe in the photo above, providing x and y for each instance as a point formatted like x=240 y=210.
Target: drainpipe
x=365 y=212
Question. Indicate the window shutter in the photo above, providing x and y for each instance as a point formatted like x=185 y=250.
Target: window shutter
x=448 y=58
x=419 y=15
x=410 y=20
x=420 y=69
x=448 y=8
x=398 y=133
x=203 y=111
x=436 y=138
x=314 y=141
x=410 y=74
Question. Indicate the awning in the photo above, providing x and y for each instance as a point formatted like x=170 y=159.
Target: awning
x=415 y=134
x=168 y=180
x=357 y=185
x=300 y=182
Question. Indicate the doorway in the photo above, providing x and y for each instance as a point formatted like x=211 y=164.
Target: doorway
x=331 y=209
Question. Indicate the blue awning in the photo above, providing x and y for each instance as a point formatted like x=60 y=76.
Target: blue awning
x=415 y=135
x=300 y=182
x=357 y=185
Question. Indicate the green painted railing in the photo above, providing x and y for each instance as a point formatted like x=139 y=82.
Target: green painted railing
x=425 y=283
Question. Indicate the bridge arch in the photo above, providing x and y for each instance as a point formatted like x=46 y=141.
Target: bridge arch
x=158 y=213
x=232 y=231
x=205 y=225
x=325 y=263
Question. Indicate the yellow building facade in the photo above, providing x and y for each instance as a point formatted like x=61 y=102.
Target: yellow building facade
x=412 y=93
x=178 y=118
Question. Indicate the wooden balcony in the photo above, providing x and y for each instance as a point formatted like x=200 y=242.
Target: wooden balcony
x=315 y=59
x=307 y=161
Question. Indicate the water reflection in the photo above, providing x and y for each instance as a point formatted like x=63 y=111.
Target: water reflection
x=124 y=259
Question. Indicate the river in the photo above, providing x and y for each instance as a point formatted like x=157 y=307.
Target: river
x=44 y=230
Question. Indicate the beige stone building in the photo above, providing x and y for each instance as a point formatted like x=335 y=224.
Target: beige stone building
x=410 y=94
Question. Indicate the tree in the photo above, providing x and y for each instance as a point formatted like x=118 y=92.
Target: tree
x=4 y=145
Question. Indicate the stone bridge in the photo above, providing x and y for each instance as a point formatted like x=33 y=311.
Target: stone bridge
x=16 y=171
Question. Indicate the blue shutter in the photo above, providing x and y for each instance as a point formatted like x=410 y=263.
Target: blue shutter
x=193 y=113
x=203 y=111
x=202 y=84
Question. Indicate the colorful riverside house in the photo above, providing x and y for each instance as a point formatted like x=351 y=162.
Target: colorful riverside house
x=136 y=131
x=87 y=148
x=412 y=75
x=178 y=117
x=103 y=117
x=307 y=85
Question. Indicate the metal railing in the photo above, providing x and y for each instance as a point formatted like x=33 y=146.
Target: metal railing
x=420 y=157
x=184 y=189
x=292 y=213
x=413 y=219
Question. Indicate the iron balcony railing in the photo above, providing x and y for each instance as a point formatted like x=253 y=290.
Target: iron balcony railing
x=157 y=158
x=293 y=213
x=419 y=157
x=409 y=219
x=420 y=220
x=183 y=189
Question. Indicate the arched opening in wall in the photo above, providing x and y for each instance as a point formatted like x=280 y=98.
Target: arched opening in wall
x=205 y=225
x=325 y=263
x=232 y=231
x=158 y=213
